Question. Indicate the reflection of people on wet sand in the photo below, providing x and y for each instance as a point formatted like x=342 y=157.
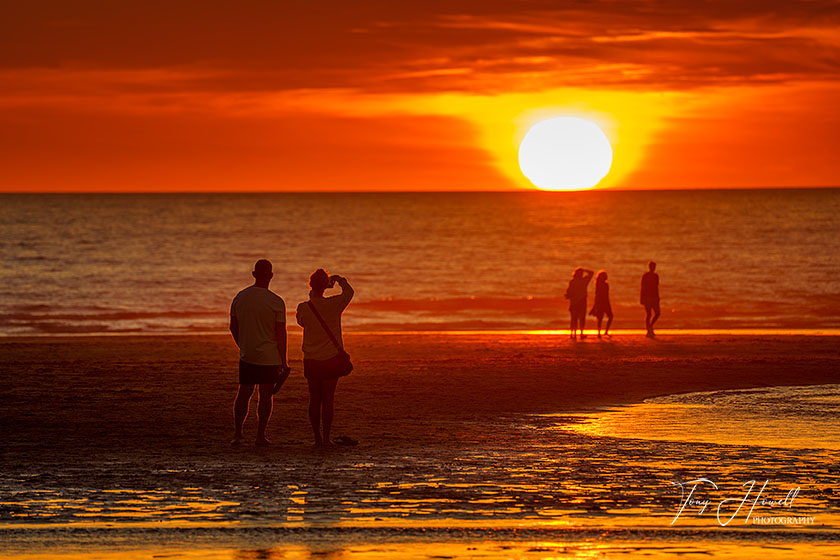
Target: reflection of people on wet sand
x=602 y=305
x=258 y=325
x=650 y=297
x=323 y=350
x=576 y=294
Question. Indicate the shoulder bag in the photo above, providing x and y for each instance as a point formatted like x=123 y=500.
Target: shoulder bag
x=341 y=363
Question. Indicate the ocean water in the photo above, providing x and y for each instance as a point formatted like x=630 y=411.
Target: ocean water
x=153 y=263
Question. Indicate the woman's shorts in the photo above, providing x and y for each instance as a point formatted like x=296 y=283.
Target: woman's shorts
x=255 y=374
x=319 y=369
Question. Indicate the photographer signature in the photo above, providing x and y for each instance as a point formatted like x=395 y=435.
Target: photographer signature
x=704 y=504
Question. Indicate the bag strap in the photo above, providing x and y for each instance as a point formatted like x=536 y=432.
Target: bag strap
x=324 y=324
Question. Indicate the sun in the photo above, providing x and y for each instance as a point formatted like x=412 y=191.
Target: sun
x=565 y=154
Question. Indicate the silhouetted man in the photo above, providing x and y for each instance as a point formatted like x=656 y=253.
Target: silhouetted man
x=258 y=325
x=650 y=297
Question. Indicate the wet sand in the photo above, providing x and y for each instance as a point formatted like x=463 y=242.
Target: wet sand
x=125 y=440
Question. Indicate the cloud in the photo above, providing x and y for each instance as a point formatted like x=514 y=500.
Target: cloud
x=404 y=47
x=88 y=148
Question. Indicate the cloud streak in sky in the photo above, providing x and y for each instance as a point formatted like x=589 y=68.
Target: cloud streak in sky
x=408 y=47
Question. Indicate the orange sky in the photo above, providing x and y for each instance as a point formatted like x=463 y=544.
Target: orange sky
x=382 y=95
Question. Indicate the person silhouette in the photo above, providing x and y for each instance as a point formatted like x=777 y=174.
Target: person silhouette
x=576 y=294
x=650 y=298
x=320 y=318
x=258 y=326
x=602 y=305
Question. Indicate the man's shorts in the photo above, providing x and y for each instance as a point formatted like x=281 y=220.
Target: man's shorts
x=254 y=374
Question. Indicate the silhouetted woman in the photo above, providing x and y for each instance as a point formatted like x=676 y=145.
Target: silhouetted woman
x=602 y=305
x=576 y=294
x=321 y=363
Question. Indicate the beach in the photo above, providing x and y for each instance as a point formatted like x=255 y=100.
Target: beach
x=123 y=441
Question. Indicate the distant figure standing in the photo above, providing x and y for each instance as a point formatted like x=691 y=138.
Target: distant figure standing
x=320 y=318
x=650 y=297
x=258 y=325
x=576 y=294
x=602 y=305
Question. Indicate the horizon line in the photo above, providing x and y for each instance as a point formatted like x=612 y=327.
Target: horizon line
x=422 y=191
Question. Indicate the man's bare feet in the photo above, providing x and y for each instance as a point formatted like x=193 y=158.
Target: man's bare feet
x=262 y=442
x=237 y=440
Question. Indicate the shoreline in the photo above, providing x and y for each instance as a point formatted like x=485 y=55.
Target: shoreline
x=295 y=330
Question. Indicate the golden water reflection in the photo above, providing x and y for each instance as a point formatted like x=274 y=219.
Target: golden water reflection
x=504 y=550
x=681 y=422
x=546 y=475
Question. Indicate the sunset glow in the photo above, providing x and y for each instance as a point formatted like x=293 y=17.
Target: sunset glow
x=438 y=95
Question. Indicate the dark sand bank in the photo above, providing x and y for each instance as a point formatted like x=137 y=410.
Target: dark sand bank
x=68 y=396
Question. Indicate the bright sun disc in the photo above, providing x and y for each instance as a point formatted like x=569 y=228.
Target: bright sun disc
x=565 y=154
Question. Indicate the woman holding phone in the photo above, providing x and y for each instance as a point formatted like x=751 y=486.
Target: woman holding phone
x=324 y=359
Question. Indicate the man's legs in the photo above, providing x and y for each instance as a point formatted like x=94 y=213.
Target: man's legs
x=655 y=316
x=240 y=410
x=264 y=411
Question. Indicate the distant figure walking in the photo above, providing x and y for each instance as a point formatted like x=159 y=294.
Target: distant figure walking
x=650 y=297
x=602 y=305
x=258 y=325
x=324 y=359
x=576 y=294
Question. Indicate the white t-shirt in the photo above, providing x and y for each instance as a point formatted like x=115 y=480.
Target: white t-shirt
x=257 y=310
x=316 y=343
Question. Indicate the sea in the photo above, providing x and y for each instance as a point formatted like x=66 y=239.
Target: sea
x=171 y=263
